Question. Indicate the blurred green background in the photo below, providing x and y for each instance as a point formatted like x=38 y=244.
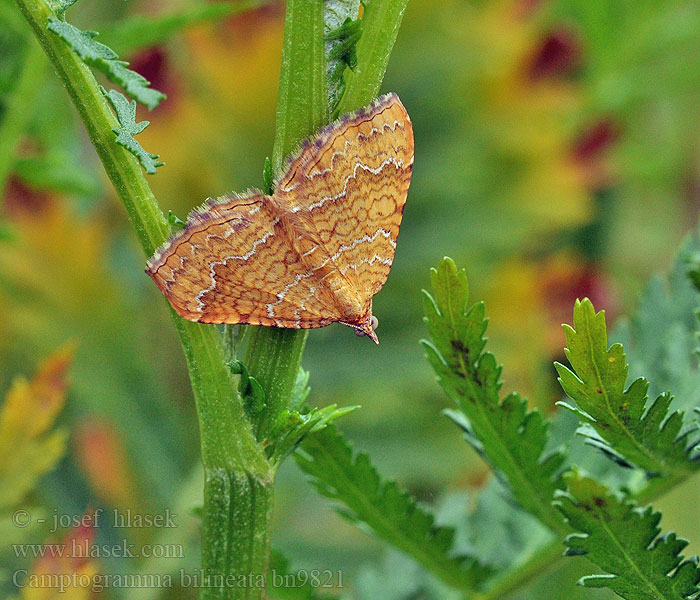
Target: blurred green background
x=556 y=157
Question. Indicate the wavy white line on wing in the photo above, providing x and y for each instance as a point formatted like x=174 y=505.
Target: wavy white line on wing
x=397 y=163
x=365 y=261
x=246 y=256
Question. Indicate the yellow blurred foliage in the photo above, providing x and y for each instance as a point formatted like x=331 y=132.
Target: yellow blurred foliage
x=56 y=262
x=28 y=448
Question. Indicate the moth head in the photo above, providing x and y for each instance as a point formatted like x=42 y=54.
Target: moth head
x=368 y=327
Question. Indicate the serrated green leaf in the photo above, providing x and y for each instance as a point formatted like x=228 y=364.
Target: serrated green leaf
x=661 y=337
x=509 y=437
x=389 y=512
x=624 y=540
x=126 y=114
x=134 y=85
x=105 y=60
x=660 y=340
x=620 y=422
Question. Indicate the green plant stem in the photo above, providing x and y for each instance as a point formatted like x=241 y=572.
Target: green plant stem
x=274 y=355
x=302 y=105
x=274 y=358
x=240 y=554
x=17 y=109
x=238 y=478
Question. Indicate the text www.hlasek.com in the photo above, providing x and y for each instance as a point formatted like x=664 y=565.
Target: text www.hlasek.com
x=75 y=548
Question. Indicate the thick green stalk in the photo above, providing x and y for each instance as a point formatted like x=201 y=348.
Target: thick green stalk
x=238 y=478
x=274 y=355
x=236 y=561
x=302 y=104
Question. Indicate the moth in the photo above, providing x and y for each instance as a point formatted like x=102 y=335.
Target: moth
x=315 y=251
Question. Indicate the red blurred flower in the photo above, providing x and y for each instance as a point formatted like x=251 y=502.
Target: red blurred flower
x=556 y=56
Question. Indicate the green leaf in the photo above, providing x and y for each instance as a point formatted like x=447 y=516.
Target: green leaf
x=175 y=222
x=509 y=437
x=126 y=114
x=624 y=540
x=619 y=420
x=301 y=390
x=293 y=426
x=104 y=59
x=661 y=337
x=299 y=420
x=249 y=388
x=138 y=32
x=388 y=511
x=499 y=532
